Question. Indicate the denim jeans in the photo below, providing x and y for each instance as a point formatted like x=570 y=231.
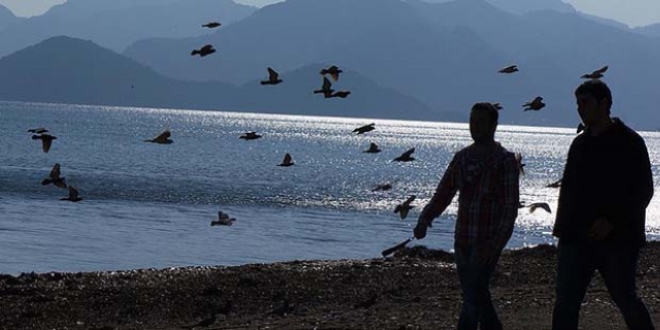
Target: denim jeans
x=577 y=264
x=477 y=308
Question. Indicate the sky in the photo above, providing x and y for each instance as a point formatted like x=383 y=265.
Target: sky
x=631 y=12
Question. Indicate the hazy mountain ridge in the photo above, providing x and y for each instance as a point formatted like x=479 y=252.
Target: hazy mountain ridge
x=7 y=17
x=118 y=23
x=69 y=70
x=445 y=55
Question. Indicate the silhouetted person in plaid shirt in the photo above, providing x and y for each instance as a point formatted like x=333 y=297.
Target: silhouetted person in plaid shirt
x=486 y=175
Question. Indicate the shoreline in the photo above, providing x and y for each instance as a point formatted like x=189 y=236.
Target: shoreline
x=415 y=289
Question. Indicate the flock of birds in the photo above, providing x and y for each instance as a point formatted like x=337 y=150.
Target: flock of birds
x=326 y=89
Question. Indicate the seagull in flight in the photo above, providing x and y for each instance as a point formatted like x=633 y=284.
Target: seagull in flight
x=273 y=78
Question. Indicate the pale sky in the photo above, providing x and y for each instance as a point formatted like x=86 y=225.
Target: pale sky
x=631 y=12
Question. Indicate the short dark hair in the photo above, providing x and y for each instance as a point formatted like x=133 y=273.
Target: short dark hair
x=596 y=88
x=489 y=109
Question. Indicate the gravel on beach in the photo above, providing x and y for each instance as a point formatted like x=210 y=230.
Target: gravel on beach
x=416 y=289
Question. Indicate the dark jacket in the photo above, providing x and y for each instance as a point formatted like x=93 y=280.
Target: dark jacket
x=605 y=176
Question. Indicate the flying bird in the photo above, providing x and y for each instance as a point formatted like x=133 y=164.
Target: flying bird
x=342 y=94
x=39 y=130
x=273 y=78
x=223 y=220
x=365 y=128
x=250 y=136
x=288 y=161
x=534 y=206
x=46 y=141
x=537 y=104
x=597 y=74
x=326 y=89
x=580 y=128
x=373 y=149
x=509 y=69
x=405 y=157
x=382 y=187
x=211 y=25
x=73 y=195
x=204 y=51
x=555 y=184
x=55 y=178
x=163 y=138
x=404 y=207
x=333 y=71
x=520 y=163
x=497 y=106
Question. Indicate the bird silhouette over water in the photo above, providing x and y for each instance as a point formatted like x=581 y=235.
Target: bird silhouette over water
x=509 y=69
x=288 y=161
x=223 y=220
x=212 y=25
x=326 y=88
x=555 y=184
x=580 y=128
x=55 y=178
x=204 y=51
x=273 y=78
x=73 y=195
x=404 y=207
x=382 y=187
x=333 y=71
x=365 y=129
x=39 y=130
x=497 y=105
x=46 y=141
x=596 y=74
x=341 y=94
x=373 y=149
x=405 y=157
x=250 y=136
x=536 y=105
x=520 y=163
x=163 y=138
x=542 y=205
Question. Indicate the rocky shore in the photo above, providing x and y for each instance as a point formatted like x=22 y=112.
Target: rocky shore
x=416 y=289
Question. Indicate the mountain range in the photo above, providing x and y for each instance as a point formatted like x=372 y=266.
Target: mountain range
x=438 y=58
x=69 y=70
x=116 y=24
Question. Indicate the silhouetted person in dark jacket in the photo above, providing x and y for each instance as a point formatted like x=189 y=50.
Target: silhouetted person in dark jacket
x=600 y=223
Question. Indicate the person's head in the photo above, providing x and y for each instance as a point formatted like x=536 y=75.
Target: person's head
x=483 y=122
x=594 y=101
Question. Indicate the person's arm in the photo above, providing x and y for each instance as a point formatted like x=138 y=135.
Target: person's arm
x=444 y=193
x=567 y=192
x=511 y=190
x=642 y=182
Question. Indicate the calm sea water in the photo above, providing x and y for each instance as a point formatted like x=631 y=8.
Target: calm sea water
x=149 y=205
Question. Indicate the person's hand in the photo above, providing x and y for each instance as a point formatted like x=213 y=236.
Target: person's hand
x=600 y=229
x=420 y=229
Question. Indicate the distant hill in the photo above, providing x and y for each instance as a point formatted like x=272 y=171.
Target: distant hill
x=652 y=30
x=385 y=40
x=444 y=54
x=68 y=70
x=7 y=17
x=116 y=24
x=520 y=7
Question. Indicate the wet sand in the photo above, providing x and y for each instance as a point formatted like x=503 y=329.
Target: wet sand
x=417 y=289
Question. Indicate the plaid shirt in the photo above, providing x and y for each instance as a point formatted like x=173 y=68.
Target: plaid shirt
x=488 y=199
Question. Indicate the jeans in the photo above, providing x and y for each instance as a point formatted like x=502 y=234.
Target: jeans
x=577 y=264
x=475 y=277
